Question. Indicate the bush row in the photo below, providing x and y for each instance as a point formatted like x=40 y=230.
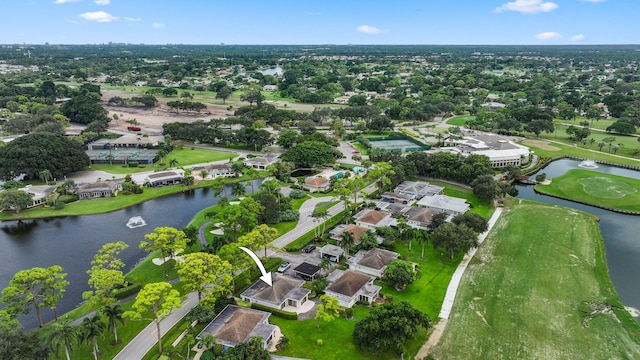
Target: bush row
x=287 y=315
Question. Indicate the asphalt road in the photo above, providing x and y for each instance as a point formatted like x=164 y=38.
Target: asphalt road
x=148 y=338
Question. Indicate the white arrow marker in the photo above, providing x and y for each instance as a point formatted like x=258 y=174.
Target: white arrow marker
x=266 y=276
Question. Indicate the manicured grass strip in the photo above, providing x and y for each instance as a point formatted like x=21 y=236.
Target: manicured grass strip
x=596 y=188
x=460 y=120
x=185 y=156
x=525 y=296
x=549 y=149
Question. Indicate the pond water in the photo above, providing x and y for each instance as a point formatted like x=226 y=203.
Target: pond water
x=621 y=232
x=72 y=241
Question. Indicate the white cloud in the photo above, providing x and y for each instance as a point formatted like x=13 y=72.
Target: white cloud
x=528 y=6
x=550 y=35
x=594 y=1
x=368 y=29
x=158 y=25
x=126 y=18
x=98 y=16
x=64 y=1
x=102 y=2
x=578 y=37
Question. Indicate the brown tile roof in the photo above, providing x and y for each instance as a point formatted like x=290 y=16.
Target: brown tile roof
x=356 y=230
x=378 y=258
x=420 y=214
x=238 y=328
x=349 y=283
x=373 y=217
x=277 y=293
x=316 y=181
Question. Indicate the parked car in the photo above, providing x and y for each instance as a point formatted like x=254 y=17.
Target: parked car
x=309 y=248
x=333 y=259
x=284 y=267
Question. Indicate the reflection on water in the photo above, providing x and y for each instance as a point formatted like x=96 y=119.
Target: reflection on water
x=71 y=242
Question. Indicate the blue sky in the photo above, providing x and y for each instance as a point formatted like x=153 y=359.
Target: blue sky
x=454 y=22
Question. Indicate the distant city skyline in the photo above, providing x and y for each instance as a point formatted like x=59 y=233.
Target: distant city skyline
x=402 y=22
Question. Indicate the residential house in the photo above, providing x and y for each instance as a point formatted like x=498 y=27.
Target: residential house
x=372 y=262
x=164 y=178
x=235 y=325
x=342 y=99
x=357 y=231
x=417 y=189
x=317 y=183
x=260 y=163
x=39 y=193
x=444 y=203
x=98 y=189
x=350 y=287
x=419 y=217
x=372 y=219
x=270 y=88
x=285 y=292
x=216 y=170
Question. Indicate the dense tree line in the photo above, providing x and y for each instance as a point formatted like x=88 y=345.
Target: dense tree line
x=33 y=153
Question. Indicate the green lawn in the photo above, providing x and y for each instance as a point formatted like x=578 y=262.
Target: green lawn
x=525 y=295
x=544 y=148
x=596 y=188
x=460 y=120
x=185 y=156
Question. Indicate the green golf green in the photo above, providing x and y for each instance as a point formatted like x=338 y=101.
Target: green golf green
x=595 y=188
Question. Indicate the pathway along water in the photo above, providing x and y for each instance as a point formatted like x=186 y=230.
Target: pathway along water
x=621 y=232
x=71 y=242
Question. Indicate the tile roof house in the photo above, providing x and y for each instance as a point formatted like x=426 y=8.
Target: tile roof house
x=444 y=203
x=419 y=217
x=284 y=292
x=215 y=170
x=98 y=189
x=350 y=287
x=260 y=163
x=235 y=325
x=317 y=183
x=417 y=189
x=164 y=178
x=372 y=262
x=357 y=231
x=372 y=219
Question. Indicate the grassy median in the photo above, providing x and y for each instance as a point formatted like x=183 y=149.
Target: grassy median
x=539 y=289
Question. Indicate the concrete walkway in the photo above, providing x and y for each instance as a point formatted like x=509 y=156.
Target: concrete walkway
x=148 y=338
x=452 y=290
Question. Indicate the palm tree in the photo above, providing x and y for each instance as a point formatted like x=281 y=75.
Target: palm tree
x=203 y=173
x=45 y=175
x=422 y=236
x=173 y=162
x=348 y=240
x=325 y=265
x=62 y=334
x=320 y=216
x=92 y=327
x=114 y=315
x=406 y=232
x=238 y=190
x=68 y=185
x=207 y=341
x=218 y=186
x=253 y=174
